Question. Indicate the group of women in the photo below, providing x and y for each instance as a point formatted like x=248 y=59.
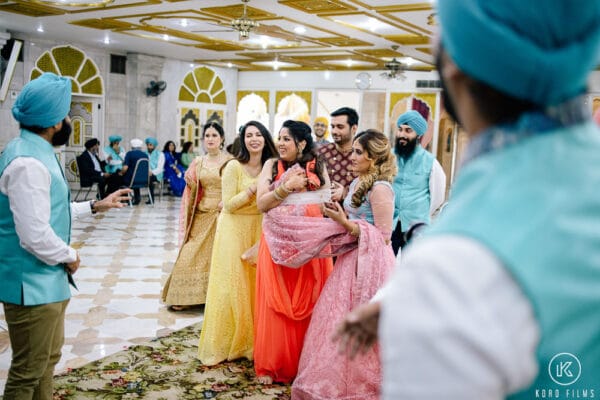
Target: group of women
x=281 y=306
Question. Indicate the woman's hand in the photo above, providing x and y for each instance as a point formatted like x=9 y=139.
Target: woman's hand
x=334 y=211
x=337 y=191
x=296 y=180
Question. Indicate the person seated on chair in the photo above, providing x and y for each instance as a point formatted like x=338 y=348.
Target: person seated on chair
x=157 y=164
x=131 y=158
x=173 y=169
x=114 y=154
x=90 y=167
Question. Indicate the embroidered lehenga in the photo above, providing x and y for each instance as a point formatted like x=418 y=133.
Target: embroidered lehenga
x=227 y=330
x=188 y=281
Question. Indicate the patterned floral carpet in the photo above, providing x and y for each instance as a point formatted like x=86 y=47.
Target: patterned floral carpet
x=165 y=368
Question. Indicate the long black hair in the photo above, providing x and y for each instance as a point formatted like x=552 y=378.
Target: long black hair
x=301 y=131
x=269 y=151
x=166 y=147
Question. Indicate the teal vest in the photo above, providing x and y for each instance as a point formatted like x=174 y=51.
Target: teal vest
x=411 y=187
x=154 y=157
x=536 y=206
x=111 y=169
x=24 y=279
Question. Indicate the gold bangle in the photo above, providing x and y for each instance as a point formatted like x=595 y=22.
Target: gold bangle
x=277 y=197
x=281 y=193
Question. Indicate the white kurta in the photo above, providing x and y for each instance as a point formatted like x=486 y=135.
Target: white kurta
x=28 y=182
x=455 y=325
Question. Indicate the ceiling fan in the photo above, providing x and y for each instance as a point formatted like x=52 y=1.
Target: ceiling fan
x=394 y=69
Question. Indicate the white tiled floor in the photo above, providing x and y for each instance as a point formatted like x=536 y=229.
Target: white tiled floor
x=126 y=257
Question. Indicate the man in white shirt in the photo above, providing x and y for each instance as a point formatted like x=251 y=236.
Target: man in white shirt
x=36 y=261
x=499 y=298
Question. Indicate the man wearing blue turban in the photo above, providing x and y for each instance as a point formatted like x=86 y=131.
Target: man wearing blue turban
x=420 y=185
x=157 y=164
x=36 y=261
x=500 y=299
x=115 y=154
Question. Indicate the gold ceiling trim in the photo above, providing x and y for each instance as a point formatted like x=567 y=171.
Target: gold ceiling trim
x=149 y=37
x=367 y=31
x=426 y=50
x=31 y=9
x=220 y=46
x=319 y=7
x=380 y=53
x=104 y=24
x=75 y=3
x=342 y=41
x=118 y=6
x=404 y=7
x=407 y=26
x=409 y=40
x=236 y=11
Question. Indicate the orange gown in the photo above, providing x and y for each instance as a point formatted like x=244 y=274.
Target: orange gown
x=285 y=298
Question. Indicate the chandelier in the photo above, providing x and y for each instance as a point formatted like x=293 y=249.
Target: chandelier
x=75 y=3
x=244 y=24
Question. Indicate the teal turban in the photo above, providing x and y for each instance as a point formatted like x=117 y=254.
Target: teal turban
x=151 y=140
x=114 y=138
x=537 y=51
x=415 y=120
x=44 y=101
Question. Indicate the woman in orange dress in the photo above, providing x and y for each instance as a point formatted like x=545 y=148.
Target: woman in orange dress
x=285 y=297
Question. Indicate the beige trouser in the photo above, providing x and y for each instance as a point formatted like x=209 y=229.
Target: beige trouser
x=36 y=338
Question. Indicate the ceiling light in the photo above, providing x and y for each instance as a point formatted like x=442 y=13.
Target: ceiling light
x=349 y=62
x=409 y=61
x=276 y=65
x=184 y=22
x=40 y=29
x=229 y=65
x=75 y=3
x=191 y=65
x=327 y=75
x=106 y=40
x=166 y=37
x=283 y=74
x=300 y=30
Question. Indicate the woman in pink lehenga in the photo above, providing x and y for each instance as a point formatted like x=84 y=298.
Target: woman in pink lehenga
x=361 y=240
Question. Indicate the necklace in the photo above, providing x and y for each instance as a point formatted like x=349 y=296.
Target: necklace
x=214 y=160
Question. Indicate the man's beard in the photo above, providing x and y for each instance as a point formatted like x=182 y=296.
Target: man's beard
x=61 y=137
x=406 y=150
x=446 y=100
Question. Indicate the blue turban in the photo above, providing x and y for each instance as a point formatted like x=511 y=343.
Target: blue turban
x=151 y=140
x=114 y=138
x=536 y=51
x=44 y=101
x=415 y=120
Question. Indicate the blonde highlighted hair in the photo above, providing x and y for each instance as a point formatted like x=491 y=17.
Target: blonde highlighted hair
x=384 y=167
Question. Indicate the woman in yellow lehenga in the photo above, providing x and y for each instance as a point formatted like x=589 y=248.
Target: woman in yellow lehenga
x=200 y=207
x=227 y=330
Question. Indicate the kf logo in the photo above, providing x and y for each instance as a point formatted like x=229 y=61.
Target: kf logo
x=564 y=369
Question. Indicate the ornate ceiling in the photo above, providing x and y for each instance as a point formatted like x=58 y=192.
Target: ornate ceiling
x=292 y=34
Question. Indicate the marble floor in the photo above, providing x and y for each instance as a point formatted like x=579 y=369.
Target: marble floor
x=126 y=256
